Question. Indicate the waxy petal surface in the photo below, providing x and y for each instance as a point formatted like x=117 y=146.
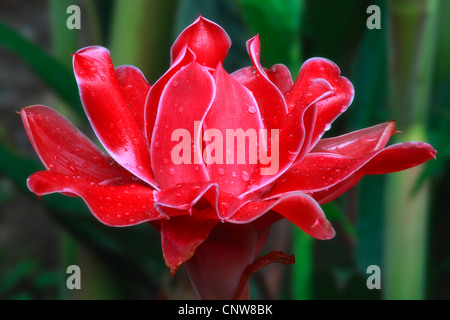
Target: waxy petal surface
x=293 y=137
x=280 y=76
x=206 y=39
x=134 y=89
x=399 y=157
x=232 y=126
x=108 y=112
x=180 y=236
x=185 y=57
x=329 y=109
x=64 y=149
x=113 y=205
x=322 y=171
x=182 y=198
x=297 y=207
x=356 y=144
x=270 y=100
x=176 y=148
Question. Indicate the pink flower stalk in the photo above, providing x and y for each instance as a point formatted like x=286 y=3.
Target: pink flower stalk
x=166 y=163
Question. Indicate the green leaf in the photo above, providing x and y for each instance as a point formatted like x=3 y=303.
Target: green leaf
x=50 y=70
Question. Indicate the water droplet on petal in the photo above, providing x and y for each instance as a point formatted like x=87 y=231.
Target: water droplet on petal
x=252 y=109
x=221 y=171
x=175 y=83
x=292 y=155
x=171 y=171
x=245 y=176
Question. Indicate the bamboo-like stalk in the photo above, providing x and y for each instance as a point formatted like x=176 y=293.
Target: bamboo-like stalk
x=412 y=29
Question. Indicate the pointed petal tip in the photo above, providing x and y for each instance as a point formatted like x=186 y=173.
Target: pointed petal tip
x=325 y=229
x=208 y=40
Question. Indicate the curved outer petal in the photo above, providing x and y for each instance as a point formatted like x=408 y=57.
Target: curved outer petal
x=180 y=236
x=280 y=76
x=360 y=142
x=233 y=118
x=182 y=109
x=134 y=89
x=320 y=171
x=270 y=100
x=400 y=156
x=297 y=207
x=185 y=57
x=114 y=205
x=329 y=109
x=64 y=149
x=329 y=194
x=181 y=198
x=293 y=137
x=395 y=158
x=108 y=112
x=207 y=40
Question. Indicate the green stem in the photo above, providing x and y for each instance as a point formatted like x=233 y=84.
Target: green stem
x=411 y=46
x=139 y=35
x=303 y=267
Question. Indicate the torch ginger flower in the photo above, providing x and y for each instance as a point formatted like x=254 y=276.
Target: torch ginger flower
x=168 y=162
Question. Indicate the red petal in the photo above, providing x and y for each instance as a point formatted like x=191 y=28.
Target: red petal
x=207 y=40
x=181 y=198
x=183 y=107
x=280 y=76
x=64 y=149
x=234 y=111
x=358 y=143
x=293 y=137
x=329 y=109
x=185 y=57
x=270 y=100
x=298 y=207
x=108 y=112
x=180 y=237
x=392 y=159
x=399 y=157
x=134 y=89
x=329 y=194
x=115 y=205
x=317 y=171
x=322 y=171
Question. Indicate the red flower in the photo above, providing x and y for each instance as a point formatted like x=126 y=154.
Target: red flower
x=212 y=201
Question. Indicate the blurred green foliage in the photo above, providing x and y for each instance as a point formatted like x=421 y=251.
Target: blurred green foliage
x=291 y=31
